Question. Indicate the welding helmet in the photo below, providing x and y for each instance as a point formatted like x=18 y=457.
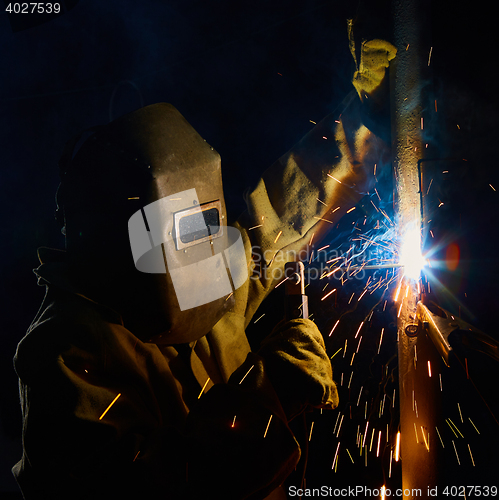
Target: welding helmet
x=145 y=221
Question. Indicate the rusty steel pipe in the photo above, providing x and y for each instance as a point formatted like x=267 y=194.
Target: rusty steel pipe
x=418 y=400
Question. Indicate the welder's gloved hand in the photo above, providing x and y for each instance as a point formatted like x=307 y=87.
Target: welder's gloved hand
x=375 y=56
x=298 y=367
x=372 y=59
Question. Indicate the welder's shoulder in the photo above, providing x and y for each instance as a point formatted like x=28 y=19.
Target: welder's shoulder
x=65 y=323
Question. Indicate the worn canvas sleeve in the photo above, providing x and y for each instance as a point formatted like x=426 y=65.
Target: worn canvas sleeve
x=302 y=195
x=104 y=417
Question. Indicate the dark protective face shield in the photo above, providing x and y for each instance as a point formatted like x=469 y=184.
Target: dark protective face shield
x=184 y=237
x=151 y=171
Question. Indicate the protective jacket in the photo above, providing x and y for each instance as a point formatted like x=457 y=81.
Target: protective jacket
x=106 y=414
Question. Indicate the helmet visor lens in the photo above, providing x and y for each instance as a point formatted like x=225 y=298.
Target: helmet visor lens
x=197 y=224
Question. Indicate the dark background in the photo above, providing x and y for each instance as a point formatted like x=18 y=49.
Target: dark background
x=249 y=76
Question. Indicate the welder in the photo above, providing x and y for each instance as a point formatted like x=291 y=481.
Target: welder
x=136 y=376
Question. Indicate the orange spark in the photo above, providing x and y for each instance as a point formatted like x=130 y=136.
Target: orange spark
x=204 y=387
x=398 y=291
x=332 y=272
x=365 y=433
x=311 y=429
x=360 y=394
x=329 y=175
x=246 y=374
x=383 y=492
x=440 y=437
x=336 y=455
x=341 y=421
x=265 y=433
x=397 y=447
x=334 y=327
x=328 y=294
x=282 y=281
x=359 y=329
x=457 y=456
x=112 y=403
x=332 y=260
x=258 y=319
x=358 y=345
x=340 y=349
x=472 y=461
x=426 y=443
x=380 y=339
x=325 y=220
x=350 y=380
x=473 y=425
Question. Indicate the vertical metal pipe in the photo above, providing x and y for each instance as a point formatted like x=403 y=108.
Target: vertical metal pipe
x=406 y=107
x=418 y=399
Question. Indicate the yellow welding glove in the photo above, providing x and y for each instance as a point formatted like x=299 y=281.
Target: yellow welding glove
x=298 y=367
x=372 y=58
x=371 y=62
x=375 y=56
